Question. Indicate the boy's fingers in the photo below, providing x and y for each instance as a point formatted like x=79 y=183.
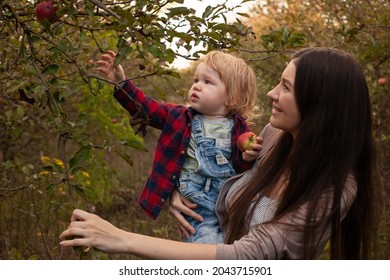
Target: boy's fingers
x=112 y=53
x=103 y=63
x=107 y=57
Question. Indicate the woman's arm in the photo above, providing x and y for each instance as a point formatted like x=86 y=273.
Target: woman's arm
x=89 y=230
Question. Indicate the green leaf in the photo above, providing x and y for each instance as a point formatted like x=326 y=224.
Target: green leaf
x=51 y=69
x=81 y=119
x=79 y=189
x=55 y=106
x=123 y=50
x=34 y=38
x=106 y=144
x=207 y=12
x=75 y=170
x=17 y=86
x=20 y=112
x=80 y=157
x=213 y=35
x=133 y=143
x=89 y=7
x=50 y=187
x=244 y=15
x=125 y=156
x=224 y=27
x=48 y=168
x=8 y=165
x=154 y=50
x=63 y=46
x=169 y=55
x=182 y=11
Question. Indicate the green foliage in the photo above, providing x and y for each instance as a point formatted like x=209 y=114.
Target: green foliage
x=66 y=143
x=283 y=38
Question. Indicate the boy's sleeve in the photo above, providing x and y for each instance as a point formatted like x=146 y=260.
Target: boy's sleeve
x=134 y=100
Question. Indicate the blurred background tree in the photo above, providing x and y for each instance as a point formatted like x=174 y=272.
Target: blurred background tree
x=65 y=142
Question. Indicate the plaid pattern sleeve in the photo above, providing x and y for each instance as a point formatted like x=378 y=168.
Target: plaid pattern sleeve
x=171 y=149
x=133 y=99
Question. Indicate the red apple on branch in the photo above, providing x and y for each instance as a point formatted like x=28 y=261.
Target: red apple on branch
x=382 y=81
x=90 y=62
x=246 y=141
x=47 y=10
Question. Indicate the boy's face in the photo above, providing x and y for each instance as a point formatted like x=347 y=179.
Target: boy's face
x=208 y=93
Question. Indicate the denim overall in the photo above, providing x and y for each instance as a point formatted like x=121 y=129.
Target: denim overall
x=202 y=186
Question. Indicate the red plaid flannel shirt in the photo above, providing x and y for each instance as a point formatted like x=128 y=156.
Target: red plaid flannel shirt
x=174 y=121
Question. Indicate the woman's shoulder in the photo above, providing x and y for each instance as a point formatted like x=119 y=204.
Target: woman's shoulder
x=270 y=132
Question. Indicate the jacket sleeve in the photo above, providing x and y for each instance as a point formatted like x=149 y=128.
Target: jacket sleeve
x=134 y=100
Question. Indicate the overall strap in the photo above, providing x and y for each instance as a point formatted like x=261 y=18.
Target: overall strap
x=197 y=128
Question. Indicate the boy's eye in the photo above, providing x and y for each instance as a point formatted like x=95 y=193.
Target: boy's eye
x=208 y=82
x=196 y=80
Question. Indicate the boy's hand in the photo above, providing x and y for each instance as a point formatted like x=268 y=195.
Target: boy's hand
x=107 y=67
x=254 y=154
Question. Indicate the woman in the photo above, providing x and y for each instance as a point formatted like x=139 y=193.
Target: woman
x=312 y=182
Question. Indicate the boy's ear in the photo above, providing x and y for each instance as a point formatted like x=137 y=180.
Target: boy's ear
x=230 y=102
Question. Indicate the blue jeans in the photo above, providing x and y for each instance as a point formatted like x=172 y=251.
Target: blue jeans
x=202 y=186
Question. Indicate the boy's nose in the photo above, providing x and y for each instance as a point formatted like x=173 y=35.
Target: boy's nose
x=197 y=86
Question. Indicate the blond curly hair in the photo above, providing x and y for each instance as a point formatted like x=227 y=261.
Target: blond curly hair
x=239 y=79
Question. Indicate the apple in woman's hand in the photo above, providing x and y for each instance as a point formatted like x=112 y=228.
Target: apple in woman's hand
x=246 y=140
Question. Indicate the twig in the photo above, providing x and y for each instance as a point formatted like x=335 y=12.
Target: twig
x=104 y=8
x=61 y=147
x=33 y=57
x=39 y=226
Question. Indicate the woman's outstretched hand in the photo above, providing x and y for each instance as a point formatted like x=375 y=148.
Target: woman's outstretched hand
x=89 y=230
x=180 y=205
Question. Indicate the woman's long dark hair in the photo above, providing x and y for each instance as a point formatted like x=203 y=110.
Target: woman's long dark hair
x=334 y=141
